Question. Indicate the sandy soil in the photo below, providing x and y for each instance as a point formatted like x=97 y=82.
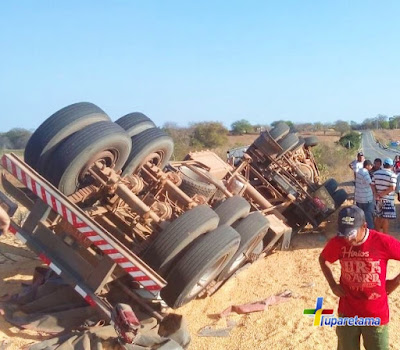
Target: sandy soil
x=282 y=326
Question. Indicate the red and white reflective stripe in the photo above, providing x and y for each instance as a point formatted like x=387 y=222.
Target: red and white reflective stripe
x=106 y=247
x=56 y=269
x=85 y=296
x=17 y=234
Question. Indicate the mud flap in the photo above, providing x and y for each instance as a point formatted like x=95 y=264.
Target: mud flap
x=51 y=306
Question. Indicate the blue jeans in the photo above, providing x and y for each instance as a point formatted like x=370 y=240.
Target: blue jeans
x=368 y=209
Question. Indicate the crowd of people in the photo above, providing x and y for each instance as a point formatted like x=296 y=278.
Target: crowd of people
x=376 y=185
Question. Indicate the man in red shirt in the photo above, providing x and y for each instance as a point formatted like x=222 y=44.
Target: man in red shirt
x=363 y=289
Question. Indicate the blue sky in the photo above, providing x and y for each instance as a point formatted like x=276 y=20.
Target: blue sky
x=191 y=61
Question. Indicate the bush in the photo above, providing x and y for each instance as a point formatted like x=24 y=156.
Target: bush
x=352 y=140
x=209 y=135
x=332 y=161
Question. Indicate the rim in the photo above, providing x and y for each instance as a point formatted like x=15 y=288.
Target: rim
x=108 y=157
x=207 y=277
x=155 y=158
x=243 y=257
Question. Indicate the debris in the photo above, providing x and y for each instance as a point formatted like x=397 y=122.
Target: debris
x=211 y=331
x=258 y=305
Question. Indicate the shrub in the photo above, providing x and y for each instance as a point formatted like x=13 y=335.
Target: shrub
x=209 y=135
x=351 y=140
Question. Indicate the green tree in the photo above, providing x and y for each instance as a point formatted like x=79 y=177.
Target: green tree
x=209 y=135
x=351 y=140
x=18 y=137
x=341 y=126
x=241 y=126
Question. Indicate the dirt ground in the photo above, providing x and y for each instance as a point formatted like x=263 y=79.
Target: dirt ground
x=387 y=135
x=281 y=326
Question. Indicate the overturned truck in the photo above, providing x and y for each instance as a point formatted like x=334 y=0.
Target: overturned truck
x=110 y=215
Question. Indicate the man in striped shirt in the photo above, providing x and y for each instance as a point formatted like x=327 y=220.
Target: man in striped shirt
x=363 y=195
x=383 y=186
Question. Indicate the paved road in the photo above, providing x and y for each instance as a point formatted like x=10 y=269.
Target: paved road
x=372 y=150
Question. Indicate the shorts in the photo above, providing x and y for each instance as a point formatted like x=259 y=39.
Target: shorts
x=374 y=337
x=385 y=209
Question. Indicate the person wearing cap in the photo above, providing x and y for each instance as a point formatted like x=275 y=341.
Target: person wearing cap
x=383 y=187
x=357 y=164
x=363 y=195
x=363 y=289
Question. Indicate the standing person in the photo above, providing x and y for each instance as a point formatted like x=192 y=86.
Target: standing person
x=363 y=195
x=383 y=187
x=4 y=221
x=357 y=164
x=396 y=164
x=377 y=166
x=363 y=289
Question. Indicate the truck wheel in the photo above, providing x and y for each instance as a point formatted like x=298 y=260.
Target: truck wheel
x=331 y=185
x=152 y=145
x=103 y=141
x=288 y=143
x=178 y=235
x=232 y=209
x=252 y=230
x=299 y=144
x=339 y=197
x=134 y=123
x=311 y=141
x=57 y=128
x=280 y=130
x=193 y=184
x=199 y=266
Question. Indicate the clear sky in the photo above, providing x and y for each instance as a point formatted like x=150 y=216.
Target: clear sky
x=189 y=61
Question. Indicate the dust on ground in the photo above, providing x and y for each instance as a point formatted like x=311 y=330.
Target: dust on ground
x=281 y=326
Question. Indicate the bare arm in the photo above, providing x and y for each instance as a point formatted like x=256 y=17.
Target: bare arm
x=4 y=221
x=373 y=189
x=391 y=285
x=336 y=288
x=386 y=192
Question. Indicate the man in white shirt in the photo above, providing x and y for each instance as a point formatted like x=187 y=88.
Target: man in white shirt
x=357 y=164
x=363 y=194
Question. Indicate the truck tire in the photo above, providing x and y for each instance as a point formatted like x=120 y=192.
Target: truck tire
x=232 y=209
x=57 y=128
x=199 y=266
x=193 y=184
x=178 y=235
x=288 y=143
x=68 y=165
x=134 y=123
x=331 y=185
x=311 y=141
x=280 y=130
x=150 y=145
x=339 y=197
x=299 y=144
x=252 y=230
